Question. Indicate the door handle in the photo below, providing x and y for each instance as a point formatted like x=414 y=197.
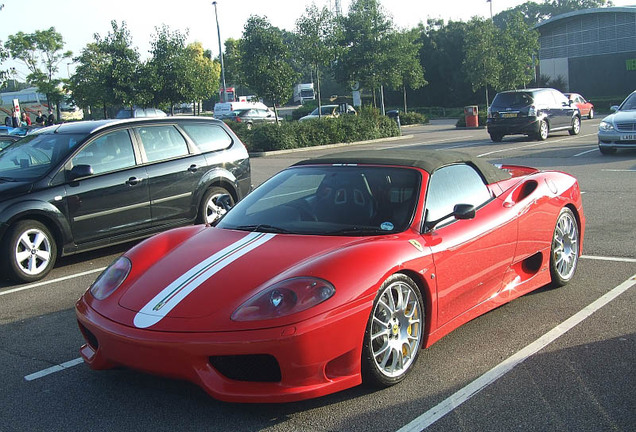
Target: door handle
x=133 y=181
x=193 y=168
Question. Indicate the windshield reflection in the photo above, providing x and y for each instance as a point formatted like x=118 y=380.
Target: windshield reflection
x=330 y=200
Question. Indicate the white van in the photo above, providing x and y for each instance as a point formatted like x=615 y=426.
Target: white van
x=224 y=109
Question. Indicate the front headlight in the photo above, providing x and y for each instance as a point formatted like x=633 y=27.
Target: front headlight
x=111 y=278
x=285 y=298
x=605 y=126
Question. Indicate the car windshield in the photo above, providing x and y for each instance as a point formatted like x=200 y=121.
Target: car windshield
x=34 y=155
x=513 y=99
x=330 y=200
x=629 y=103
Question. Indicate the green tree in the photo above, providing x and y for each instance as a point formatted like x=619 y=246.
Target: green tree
x=364 y=43
x=168 y=68
x=265 y=63
x=315 y=42
x=108 y=71
x=482 y=65
x=405 y=69
x=518 y=42
x=534 y=12
x=41 y=52
x=202 y=74
x=232 y=58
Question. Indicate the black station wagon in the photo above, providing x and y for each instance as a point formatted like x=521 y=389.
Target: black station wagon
x=79 y=186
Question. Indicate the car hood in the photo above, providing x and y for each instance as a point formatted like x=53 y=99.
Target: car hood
x=197 y=285
x=621 y=116
x=11 y=188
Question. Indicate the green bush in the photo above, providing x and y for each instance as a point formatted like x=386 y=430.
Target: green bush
x=412 y=117
x=369 y=124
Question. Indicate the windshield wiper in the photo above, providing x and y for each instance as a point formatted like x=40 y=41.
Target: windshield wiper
x=262 y=228
x=357 y=231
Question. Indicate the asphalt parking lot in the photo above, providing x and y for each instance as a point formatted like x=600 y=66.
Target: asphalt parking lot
x=554 y=360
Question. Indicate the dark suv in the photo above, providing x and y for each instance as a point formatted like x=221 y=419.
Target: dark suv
x=84 y=185
x=532 y=112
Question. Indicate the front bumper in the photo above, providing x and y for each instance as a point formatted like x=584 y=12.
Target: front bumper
x=316 y=357
x=613 y=140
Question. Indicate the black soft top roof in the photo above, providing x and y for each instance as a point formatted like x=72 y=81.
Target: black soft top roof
x=428 y=160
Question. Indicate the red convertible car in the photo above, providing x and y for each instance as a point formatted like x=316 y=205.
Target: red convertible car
x=335 y=271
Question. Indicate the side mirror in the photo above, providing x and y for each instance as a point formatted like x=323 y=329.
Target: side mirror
x=79 y=171
x=614 y=108
x=464 y=211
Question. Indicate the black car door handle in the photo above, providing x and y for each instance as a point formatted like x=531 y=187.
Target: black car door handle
x=193 y=168
x=133 y=181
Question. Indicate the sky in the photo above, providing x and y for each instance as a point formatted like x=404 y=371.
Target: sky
x=79 y=20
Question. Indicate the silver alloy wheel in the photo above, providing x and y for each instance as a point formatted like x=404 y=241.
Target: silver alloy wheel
x=576 y=126
x=212 y=210
x=565 y=246
x=543 y=130
x=396 y=329
x=33 y=251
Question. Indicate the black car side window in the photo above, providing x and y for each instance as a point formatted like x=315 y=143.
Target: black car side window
x=207 y=137
x=452 y=185
x=109 y=152
x=162 y=142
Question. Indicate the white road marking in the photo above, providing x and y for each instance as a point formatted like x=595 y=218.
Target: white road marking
x=39 y=284
x=586 y=152
x=464 y=394
x=534 y=145
x=619 y=170
x=53 y=369
x=603 y=258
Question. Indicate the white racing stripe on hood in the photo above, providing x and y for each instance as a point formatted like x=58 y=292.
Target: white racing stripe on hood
x=157 y=308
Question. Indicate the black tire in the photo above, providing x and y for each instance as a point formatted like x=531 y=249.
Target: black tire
x=607 y=150
x=393 y=337
x=576 y=126
x=564 y=253
x=496 y=137
x=544 y=130
x=30 y=250
x=209 y=211
x=590 y=115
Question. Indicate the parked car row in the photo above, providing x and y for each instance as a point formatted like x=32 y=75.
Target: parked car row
x=78 y=186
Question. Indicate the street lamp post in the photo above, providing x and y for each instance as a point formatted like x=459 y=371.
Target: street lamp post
x=218 y=30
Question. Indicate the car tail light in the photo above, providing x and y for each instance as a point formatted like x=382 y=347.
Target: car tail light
x=238 y=119
x=532 y=112
x=489 y=112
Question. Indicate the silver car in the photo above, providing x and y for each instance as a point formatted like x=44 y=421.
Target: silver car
x=618 y=130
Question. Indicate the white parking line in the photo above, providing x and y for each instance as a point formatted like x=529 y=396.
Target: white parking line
x=534 y=145
x=52 y=281
x=619 y=170
x=585 y=152
x=464 y=394
x=603 y=258
x=53 y=369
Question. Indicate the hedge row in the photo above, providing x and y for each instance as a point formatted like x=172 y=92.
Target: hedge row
x=290 y=134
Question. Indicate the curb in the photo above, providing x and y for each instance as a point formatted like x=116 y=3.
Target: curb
x=326 y=146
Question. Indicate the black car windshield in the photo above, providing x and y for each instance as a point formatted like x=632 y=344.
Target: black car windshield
x=330 y=200
x=629 y=103
x=33 y=156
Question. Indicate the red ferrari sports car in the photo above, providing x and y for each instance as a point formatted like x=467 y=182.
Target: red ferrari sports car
x=335 y=271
